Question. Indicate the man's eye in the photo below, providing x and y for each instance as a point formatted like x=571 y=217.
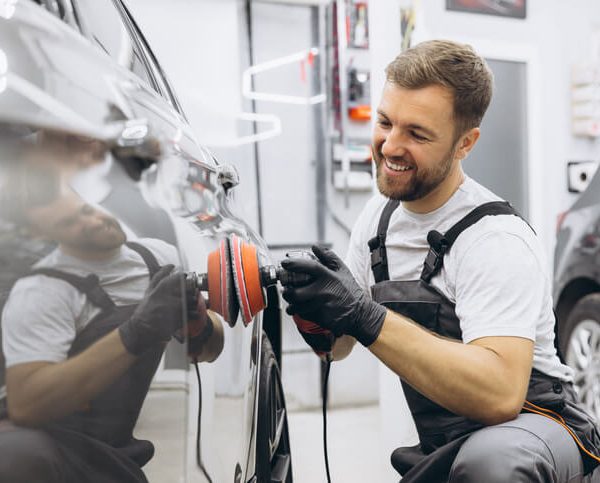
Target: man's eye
x=418 y=137
x=383 y=122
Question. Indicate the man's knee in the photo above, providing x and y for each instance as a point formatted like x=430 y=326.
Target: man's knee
x=28 y=455
x=515 y=453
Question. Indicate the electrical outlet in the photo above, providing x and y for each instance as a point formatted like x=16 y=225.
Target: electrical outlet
x=579 y=174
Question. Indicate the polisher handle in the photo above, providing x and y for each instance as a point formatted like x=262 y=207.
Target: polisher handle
x=292 y=278
x=195 y=281
x=320 y=340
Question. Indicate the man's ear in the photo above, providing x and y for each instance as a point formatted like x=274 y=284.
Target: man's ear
x=466 y=142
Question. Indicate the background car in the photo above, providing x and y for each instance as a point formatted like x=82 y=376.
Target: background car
x=78 y=74
x=577 y=292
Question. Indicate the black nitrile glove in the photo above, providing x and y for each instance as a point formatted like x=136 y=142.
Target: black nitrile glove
x=159 y=315
x=333 y=299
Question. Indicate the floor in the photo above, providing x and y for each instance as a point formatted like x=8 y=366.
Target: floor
x=354 y=446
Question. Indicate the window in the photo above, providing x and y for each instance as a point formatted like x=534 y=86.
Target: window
x=151 y=61
x=103 y=24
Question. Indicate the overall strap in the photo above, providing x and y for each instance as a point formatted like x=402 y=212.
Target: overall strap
x=89 y=285
x=379 y=264
x=147 y=255
x=439 y=244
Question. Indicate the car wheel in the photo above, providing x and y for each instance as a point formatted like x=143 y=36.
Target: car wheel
x=273 y=456
x=581 y=346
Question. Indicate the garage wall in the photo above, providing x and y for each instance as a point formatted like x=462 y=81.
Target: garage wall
x=203 y=59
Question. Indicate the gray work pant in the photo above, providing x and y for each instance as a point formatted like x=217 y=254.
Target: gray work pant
x=529 y=449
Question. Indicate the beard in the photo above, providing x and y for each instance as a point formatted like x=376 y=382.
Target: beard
x=106 y=237
x=422 y=181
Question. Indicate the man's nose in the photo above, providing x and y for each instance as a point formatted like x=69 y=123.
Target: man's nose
x=394 y=144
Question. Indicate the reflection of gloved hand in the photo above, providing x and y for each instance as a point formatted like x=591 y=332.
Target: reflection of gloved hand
x=320 y=340
x=158 y=315
x=199 y=327
x=333 y=299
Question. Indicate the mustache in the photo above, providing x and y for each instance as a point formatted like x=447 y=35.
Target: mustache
x=378 y=156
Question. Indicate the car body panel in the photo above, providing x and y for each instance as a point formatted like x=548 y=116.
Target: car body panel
x=59 y=86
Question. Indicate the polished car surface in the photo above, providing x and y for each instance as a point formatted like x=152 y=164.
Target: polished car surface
x=85 y=105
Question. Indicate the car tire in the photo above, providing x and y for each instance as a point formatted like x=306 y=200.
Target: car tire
x=580 y=344
x=273 y=455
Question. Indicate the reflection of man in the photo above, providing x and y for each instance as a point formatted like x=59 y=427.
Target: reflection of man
x=82 y=337
x=460 y=303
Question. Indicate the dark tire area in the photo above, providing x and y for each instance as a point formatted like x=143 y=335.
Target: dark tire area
x=273 y=455
x=580 y=345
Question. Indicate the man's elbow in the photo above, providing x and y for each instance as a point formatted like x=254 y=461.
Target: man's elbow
x=22 y=415
x=501 y=411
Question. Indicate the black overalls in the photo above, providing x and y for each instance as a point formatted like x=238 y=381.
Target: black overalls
x=96 y=443
x=441 y=432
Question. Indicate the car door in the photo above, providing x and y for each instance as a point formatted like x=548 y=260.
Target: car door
x=174 y=195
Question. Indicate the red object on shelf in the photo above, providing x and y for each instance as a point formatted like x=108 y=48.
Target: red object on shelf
x=360 y=113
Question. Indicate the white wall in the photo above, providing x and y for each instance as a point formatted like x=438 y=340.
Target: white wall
x=556 y=34
x=197 y=43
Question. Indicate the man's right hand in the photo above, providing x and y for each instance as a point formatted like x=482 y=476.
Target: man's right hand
x=160 y=313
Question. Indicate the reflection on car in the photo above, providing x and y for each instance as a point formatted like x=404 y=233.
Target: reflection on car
x=107 y=201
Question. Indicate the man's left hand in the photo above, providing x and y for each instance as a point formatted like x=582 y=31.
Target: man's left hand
x=333 y=299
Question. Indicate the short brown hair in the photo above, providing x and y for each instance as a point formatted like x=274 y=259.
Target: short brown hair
x=452 y=65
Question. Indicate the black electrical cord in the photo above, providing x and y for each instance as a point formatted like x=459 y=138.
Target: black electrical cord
x=325 y=384
x=199 y=461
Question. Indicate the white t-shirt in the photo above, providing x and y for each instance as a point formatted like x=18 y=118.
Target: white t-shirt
x=43 y=314
x=495 y=272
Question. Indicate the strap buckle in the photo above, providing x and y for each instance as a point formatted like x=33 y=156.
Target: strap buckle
x=435 y=257
x=378 y=251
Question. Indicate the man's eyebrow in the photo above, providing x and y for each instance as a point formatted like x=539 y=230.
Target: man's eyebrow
x=381 y=113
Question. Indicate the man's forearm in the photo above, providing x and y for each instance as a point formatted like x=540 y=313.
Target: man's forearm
x=475 y=380
x=40 y=392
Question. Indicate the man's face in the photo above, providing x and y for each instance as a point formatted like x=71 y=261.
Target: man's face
x=414 y=145
x=77 y=226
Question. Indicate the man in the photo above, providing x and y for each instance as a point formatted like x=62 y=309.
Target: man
x=460 y=306
x=83 y=335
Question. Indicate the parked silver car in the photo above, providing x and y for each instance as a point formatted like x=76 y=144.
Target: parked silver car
x=577 y=292
x=88 y=118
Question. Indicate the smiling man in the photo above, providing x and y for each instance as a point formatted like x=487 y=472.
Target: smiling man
x=447 y=285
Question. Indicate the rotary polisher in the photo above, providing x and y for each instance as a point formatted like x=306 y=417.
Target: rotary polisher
x=236 y=282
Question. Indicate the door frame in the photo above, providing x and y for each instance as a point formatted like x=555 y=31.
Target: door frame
x=529 y=55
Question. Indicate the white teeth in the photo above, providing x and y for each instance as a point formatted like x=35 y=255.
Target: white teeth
x=396 y=167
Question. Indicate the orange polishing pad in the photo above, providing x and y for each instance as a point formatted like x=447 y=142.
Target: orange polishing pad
x=221 y=292
x=246 y=276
